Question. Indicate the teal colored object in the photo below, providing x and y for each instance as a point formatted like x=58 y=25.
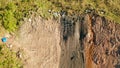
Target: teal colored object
x=4 y=39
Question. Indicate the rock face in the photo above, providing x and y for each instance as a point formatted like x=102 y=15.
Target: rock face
x=89 y=41
x=85 y=41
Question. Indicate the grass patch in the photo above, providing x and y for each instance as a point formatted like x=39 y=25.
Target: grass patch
x=12 y=12
x=8 y=59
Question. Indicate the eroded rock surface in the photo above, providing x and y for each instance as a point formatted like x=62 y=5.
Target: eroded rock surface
x=101 y=48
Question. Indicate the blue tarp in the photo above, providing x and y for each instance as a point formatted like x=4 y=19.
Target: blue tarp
x=4 y=39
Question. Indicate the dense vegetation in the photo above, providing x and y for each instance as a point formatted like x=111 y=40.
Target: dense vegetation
x=13 y=11
x=8 y=59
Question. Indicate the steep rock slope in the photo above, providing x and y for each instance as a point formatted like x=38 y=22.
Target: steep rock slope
x=71 y=54
x=89 y=41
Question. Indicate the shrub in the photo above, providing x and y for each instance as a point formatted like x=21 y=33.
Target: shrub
x=9 y=21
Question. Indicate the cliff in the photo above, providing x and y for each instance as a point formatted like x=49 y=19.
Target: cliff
x=78 y=41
